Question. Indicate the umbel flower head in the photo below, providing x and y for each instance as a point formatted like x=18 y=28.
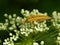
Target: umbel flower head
x=32 y=22
x=23 y=28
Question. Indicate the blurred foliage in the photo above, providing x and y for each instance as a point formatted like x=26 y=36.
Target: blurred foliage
x=14 y=6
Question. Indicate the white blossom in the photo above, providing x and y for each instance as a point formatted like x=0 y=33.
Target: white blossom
x=10 y=34
x=35 y=43
x=10 y=17
x=22 y=11
x=11 y=28
x=6 y=15
x=42 y=42
x=14 y=15
x=58 y=38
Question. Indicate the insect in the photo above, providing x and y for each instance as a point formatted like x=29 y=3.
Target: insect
x=38 y=18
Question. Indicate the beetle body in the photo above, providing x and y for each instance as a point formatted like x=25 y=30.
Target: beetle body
x=38 y=18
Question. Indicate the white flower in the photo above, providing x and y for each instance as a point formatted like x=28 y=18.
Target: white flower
x=37 y=11
x=45 y=13
x=42 y=42
x=36 y=22
x=15 y=30
x=59 y=33
x=9 y=44
x=6 y=20
x=31 y=13
x=13 y=19
x=5 y=40
x=14 y=26
x=41 y=25
x=6 y=15
x=4 y=27
x=34 y=10
x=46 y=28
x=27 y=12
x=22 y=11
x=35 y=28
x=1 y=23
x=23 y=32
x=12 y=22
x=54 y=14
x=58 y=26
x=4 y=43
x=11 y=38
x=18 y=19
x=10 y=28
x=54 y=24
x=15 y=39
x=26 y=34
x=22 y=29
x=14 y=15
x=44 y=22
x=10 y=17
x=6 y=24
x=17 y=23
x=58 y=38
x=35 y=43
x=10 y=34
x=41 y=30
x=58 y=14
x=58 y=42
x=31 y=30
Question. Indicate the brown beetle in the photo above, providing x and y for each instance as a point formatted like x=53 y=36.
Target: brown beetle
x=38 y=18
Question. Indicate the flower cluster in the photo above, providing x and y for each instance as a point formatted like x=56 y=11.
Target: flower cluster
x=26 y=13
x=10 y=41
x=56 y=19
x=56 y=23
x=12 y=22
x=19 y=27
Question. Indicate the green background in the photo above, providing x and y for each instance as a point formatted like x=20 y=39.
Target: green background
x=14 y=6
